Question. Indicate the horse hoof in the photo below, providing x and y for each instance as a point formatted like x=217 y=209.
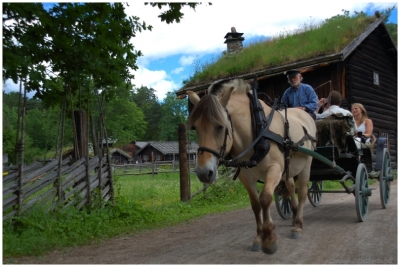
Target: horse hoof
x=256 y=247
x=296 y=234
x=272 y=249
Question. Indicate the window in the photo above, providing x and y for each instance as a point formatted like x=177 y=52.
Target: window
x=376 y=78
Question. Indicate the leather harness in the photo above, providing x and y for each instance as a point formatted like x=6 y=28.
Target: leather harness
x=262 y=134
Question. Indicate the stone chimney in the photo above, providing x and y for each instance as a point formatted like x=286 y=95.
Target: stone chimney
x=234 y=41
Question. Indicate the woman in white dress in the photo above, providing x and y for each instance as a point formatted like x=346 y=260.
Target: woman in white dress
x=364 y=126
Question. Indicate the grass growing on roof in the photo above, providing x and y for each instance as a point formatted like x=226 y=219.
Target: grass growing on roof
x=309 y=41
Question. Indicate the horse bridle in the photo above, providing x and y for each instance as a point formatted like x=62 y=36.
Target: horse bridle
x=220 y=154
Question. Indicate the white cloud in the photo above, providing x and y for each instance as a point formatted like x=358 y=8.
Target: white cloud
x=177 y=70
x=186 y=60
x=158 y=80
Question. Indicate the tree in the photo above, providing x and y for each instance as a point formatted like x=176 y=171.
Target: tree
x=42 y=126
x=72 y=46
x=10 y=116
x=125 y=121
x=146 y=99
x=173 y=13
x=174 y=112
x=22 y=40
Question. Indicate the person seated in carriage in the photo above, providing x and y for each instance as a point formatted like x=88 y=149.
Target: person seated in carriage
x=332 y=106
x=335 y=123
x=363 y=127
x=299 y=95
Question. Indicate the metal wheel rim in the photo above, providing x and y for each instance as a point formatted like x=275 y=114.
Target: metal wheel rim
x=315 y=198
x=284 y=206
x=384 y=183
x=362 y=199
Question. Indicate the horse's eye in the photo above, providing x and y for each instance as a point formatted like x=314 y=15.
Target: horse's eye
x=220 y=128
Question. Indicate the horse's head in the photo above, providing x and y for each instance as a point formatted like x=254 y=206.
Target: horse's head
x=213 y=126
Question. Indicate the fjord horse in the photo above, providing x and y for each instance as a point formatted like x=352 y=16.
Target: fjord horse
x=223 y=124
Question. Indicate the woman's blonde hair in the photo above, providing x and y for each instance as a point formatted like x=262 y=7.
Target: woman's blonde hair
x=364 y=114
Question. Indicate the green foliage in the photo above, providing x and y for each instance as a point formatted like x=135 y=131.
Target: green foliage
x=69 y=42
x=146 y=99
x=124 y=121
x=10 y=116
x=174 y=10
x=174 y=112
x=42 y=127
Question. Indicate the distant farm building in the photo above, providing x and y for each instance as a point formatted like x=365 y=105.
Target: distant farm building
x=163 y=151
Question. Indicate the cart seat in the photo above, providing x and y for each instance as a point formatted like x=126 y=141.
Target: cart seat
x=335 y=130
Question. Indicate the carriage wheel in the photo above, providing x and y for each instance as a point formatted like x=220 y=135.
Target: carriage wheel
x=385 y=177
x=314 y=197
x=283 y=205
x=362 y=192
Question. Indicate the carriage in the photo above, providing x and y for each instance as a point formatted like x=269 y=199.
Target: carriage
x=277 y=146
x=338 y=158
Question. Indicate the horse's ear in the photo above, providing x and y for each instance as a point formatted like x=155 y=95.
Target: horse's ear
x=193 y=97
x=226 y=96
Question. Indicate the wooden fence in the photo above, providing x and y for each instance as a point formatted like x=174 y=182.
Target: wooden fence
x=57 y=184
x=154 y=167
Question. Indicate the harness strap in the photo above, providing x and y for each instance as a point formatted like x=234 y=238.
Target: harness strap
x=295 y=146
x=266 y=132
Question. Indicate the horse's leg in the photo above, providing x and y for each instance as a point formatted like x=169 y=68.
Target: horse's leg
x=303 y=177
x=291 y=187
x=255 y=205
x=269 y=237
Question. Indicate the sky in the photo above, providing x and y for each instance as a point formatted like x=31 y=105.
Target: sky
x=171 y=51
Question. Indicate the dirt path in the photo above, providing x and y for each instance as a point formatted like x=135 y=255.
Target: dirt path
x=332 y=235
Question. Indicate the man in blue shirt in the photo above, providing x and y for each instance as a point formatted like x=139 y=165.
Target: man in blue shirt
x=299 y=95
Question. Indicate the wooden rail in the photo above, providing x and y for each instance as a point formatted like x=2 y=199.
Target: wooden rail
x=41 y=185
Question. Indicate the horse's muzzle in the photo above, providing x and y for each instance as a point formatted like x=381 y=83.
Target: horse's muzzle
x=206 y=175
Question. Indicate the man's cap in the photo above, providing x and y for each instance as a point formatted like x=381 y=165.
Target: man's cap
x=291 y=72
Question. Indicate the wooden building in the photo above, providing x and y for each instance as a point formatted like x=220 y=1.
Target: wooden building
x=164 y=151
x=118 y=156
x=365 y=72
x=130 y=148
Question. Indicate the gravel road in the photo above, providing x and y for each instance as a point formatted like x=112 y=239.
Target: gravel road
x=332 y=235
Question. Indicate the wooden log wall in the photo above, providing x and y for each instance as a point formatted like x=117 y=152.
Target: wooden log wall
x=380 y=101
x=40 y=185
x=322 y=78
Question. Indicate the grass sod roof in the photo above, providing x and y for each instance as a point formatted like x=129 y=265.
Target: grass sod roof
x=329 y=41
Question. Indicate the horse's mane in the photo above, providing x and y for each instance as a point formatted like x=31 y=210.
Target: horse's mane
x=209 y=109
x=219 y=87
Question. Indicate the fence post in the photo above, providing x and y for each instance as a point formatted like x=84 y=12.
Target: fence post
x=152 y=165
x=183 y=167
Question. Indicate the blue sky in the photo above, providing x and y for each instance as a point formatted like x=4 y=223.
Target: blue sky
x=172 y=50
